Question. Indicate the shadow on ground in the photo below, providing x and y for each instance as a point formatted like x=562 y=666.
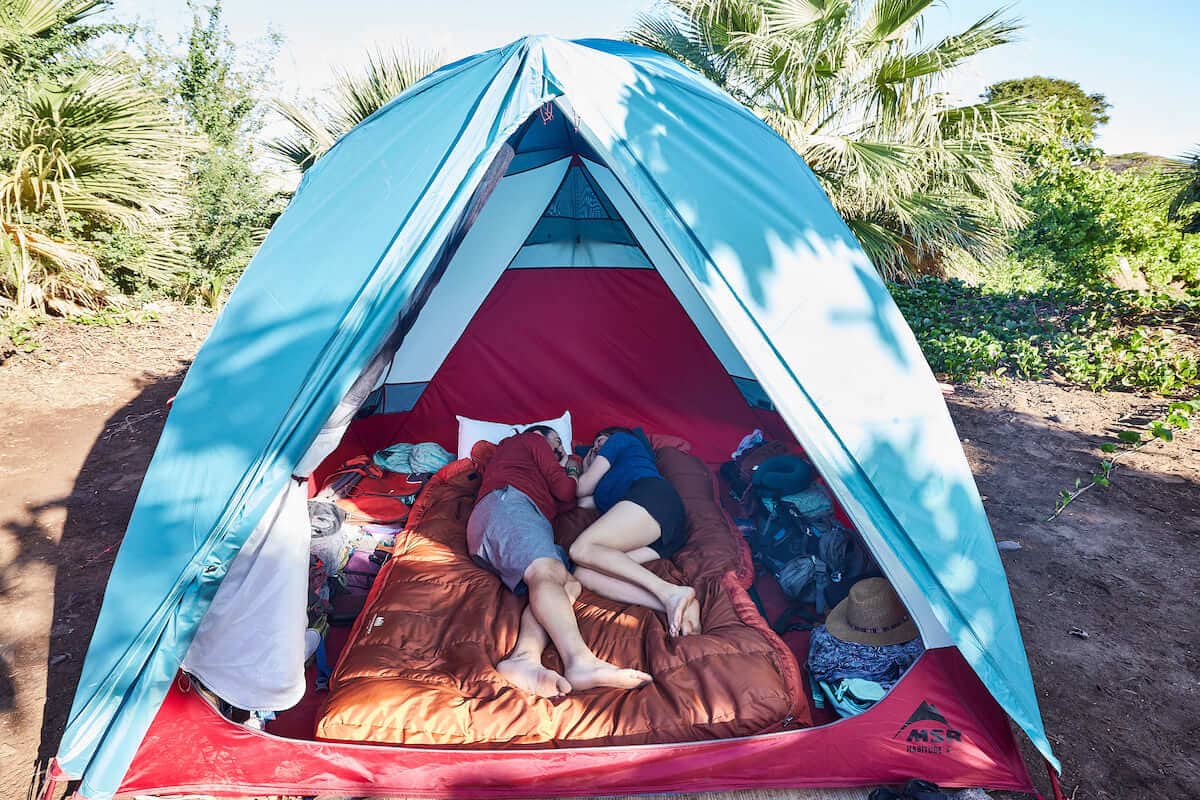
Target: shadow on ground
x=1120 y=706
x=93 y=518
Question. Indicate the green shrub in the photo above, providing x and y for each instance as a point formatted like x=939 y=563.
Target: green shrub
x=1006 y=274
x=1098 y=337
x=1086 y=218
x=1140 y=359
x=17 y=334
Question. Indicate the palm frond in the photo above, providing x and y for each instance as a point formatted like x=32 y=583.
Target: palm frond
x=882 y=243
x=23 y=20
x=100 y=149
x=309 y=139
x=794 y=14
x=1177 y=189
x=388 y=74
x=42 y=272
x=100 y=145
x=850 y=86
x=315 y=129
x=36 y=17
x=890 y=20
x=949 y=53
x=678 y=36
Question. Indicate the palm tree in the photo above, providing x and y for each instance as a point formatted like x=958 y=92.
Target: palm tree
x=24 y=22
x=76 y=151
x=855 y=89
x=1179 y=190
x=99 y=149
x=356 y=97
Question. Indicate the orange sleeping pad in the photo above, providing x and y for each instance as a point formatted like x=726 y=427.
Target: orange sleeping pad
x=419 y=666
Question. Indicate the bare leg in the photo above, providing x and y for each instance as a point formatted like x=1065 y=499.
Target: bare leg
x=619 y=590
x=553 y=606
x=523 y=666
x=605 y=546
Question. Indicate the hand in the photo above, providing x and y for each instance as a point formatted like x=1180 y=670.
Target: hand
x=589 y=459
x=574 y=465
x=564 y=457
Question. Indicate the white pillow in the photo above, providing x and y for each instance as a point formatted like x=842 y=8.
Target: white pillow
x=471 y=431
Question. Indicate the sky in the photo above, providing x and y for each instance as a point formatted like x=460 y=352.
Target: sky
x=1141 y=56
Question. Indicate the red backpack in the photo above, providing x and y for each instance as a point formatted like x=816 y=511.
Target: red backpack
x=370 y=494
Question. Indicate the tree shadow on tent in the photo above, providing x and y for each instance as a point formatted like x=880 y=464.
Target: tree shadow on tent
x=785 y=226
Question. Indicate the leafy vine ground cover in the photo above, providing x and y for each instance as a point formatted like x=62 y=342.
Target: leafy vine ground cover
x=1097 y=337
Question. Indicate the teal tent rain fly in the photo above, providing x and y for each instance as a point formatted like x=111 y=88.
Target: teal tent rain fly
x=598 y=153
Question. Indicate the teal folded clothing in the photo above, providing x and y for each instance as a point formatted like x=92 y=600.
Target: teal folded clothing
x=848 y=696
x=812 y=502
x=413 y=459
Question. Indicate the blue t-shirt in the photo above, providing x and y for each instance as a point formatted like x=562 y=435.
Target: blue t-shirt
x=631 y=461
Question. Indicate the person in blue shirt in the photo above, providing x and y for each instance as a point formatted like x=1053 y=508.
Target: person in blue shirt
x=641 y=518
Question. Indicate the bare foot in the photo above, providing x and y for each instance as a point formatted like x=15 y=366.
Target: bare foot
x=676 y=604
x=530 y=676
x=691 y=618
x=595 y=673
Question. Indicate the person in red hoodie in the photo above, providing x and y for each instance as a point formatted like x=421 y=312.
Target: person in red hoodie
x=527 y=483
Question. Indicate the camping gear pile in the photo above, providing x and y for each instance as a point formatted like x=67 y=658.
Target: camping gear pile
x=381 y=489
x=354 y=518
x=692 y=277
x=793 y=531
x=866 y=644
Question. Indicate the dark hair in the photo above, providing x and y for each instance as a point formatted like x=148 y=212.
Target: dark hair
x=636 y=433
x=611 y=430
x=542 y=429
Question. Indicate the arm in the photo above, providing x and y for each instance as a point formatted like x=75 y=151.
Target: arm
x=592 y=475
x=562 y=485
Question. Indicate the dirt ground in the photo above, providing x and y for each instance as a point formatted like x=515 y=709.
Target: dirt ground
x=82 y=413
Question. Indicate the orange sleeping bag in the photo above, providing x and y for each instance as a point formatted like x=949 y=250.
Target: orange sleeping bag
x=418 y=669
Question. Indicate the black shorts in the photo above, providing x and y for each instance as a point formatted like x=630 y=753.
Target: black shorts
x=660 y=499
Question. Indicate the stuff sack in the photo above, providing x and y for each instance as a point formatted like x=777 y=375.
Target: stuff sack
x=811 y=503
x=846 y=562
x=849 y=697
x=739 y=473
x=353 y=584
x=359 y=572
x=370 y=494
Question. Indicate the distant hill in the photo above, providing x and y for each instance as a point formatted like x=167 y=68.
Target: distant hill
x=1124 y=161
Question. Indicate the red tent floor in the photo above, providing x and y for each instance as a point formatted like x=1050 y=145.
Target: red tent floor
x=938 y=723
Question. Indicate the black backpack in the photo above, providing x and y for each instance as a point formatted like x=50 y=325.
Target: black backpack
x=824 y=575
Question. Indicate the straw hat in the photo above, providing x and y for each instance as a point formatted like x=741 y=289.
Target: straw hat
x=871 y=614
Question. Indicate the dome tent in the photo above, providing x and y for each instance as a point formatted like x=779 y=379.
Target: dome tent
x=562 y=171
